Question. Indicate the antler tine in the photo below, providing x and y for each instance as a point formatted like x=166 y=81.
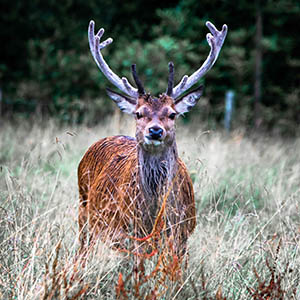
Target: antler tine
x=171 y=79
x=215 y=40
x=95 y=47
x=137 y=80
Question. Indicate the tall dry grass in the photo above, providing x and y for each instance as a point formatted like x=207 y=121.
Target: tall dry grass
x=245 y=246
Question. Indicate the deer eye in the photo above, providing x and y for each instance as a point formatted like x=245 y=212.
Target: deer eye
x=172 y=116
x=138 y=115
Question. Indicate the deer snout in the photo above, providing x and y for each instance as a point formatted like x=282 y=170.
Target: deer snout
x=155 y=132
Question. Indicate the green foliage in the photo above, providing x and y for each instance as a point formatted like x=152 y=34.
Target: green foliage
x=46 y=65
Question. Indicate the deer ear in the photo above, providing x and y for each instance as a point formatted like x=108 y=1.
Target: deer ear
x=125 y=103
x=187 y=102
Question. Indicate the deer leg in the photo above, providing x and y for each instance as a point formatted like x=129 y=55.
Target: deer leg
x=83 y=222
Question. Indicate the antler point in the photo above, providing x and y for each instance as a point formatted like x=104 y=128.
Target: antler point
x=209 y=38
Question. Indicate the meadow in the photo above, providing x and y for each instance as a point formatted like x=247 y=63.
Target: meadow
x=245 y=246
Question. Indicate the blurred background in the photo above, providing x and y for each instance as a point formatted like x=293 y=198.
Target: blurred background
x=46 y=68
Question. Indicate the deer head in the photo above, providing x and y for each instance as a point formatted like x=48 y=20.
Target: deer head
x=155 y=117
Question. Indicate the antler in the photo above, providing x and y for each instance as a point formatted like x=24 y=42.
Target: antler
x=95 y=47
x=170 y=79
x=215 y=40
x=137 y=80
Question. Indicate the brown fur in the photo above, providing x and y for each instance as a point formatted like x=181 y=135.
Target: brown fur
x=122 y=186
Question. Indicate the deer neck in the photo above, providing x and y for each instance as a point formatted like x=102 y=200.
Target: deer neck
x=156 y=171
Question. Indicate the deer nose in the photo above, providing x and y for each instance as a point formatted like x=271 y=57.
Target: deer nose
x=155 y=132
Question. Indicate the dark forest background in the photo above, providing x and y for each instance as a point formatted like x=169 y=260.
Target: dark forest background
x=46 y=67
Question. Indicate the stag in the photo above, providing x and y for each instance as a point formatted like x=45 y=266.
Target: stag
x=124 y=182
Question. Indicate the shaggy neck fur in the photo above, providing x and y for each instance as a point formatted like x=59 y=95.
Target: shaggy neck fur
x=156 y=172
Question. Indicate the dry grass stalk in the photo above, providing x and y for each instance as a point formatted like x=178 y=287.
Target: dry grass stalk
x=167 y=266
x=274 y=288
x=65 y=281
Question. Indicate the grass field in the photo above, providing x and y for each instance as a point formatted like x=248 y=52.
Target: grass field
x=245 y=246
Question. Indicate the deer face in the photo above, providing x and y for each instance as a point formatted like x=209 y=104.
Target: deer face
x=155 y=117
x=155 y=122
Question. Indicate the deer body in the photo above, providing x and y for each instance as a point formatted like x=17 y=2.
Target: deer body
x=114 y=205
x=126 y=183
